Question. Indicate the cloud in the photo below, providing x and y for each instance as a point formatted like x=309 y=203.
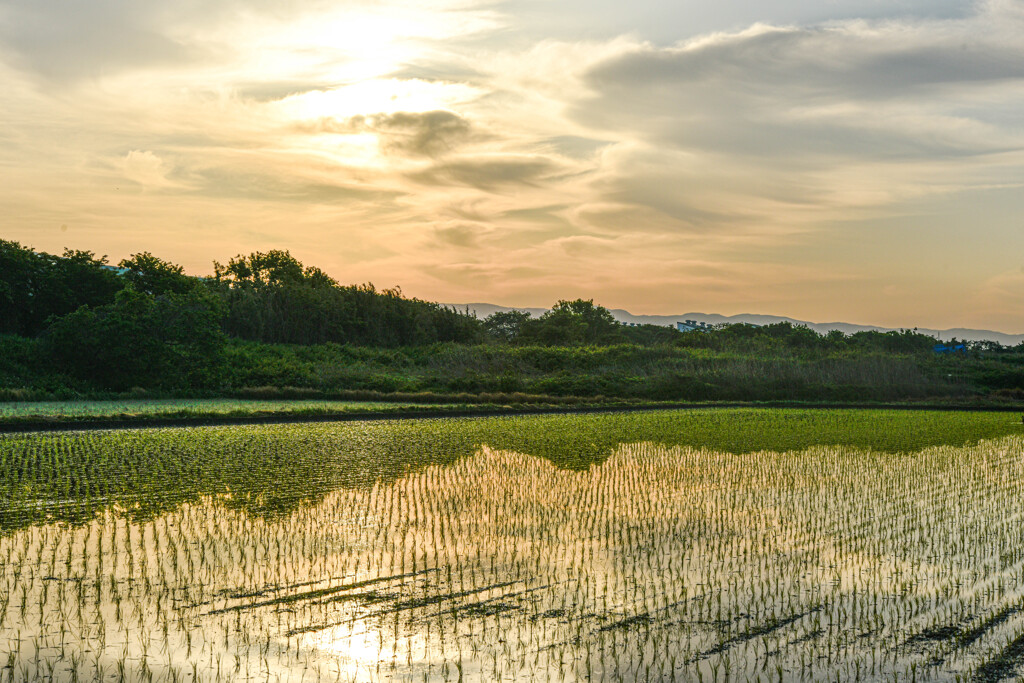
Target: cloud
x=66 y=39
x=70 y=40
x=425 y=134
x=488 y=172
x=526 y=161
x=487 y=274
x=866 y=90
x=1007 y=285
x=270 y=185
x=585 y=245
x=1001 y=298
x=146 y=169
x=853 y=60
x=574 y=146
x=460 y=234
x=788 y=127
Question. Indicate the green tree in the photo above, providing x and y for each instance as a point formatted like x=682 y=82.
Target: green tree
x=573 y=323
x=20 y=275
x=274 y=268
x=272 y=297
x=506 y=325
x=36 y=286
x=151 y=275
x=835 y=339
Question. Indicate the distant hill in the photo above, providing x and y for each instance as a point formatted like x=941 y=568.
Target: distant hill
x=483 y=310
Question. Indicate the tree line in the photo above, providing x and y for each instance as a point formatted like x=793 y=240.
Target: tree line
x=145 y=322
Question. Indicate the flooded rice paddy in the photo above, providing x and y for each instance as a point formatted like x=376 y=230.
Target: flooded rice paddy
x=418 y=551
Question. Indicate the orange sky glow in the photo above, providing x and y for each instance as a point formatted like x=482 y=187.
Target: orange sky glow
x=854 y=161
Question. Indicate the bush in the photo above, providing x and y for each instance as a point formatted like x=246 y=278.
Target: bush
x=171 y=341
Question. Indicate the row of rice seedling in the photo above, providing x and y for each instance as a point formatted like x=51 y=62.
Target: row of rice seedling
x=654 y=562
x=69 y=477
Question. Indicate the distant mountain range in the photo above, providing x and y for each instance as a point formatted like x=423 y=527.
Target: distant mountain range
x=963 y=334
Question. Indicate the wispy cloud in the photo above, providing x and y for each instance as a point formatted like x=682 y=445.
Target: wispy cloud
x=460 y=149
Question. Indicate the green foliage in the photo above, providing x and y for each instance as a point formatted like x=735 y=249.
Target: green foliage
x=151 y=275
x=785 y=335
x=35 y=287
x=506 y=325
x=623 y=371
x=266 y=297
x=572 y=323
x=291 y=325
x=168 y=341
x=270 y=269
x=902 y=341
x=664 y=372
x=650 y=335
x=271 y=297
x=21 y=362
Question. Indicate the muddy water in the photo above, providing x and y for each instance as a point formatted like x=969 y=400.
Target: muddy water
x=657 y=564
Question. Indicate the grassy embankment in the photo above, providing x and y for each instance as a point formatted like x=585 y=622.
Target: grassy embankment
x=496 y=374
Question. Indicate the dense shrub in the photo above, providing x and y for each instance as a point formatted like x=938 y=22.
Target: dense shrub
x=171 y=341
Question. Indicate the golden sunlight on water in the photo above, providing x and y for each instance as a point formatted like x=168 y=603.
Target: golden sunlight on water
x=658 y=564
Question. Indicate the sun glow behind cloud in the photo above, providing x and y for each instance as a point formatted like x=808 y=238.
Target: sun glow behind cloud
x=777 y=167
x=379 y=95
x=352 y=42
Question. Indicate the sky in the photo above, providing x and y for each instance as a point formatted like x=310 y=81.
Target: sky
x=835 y=160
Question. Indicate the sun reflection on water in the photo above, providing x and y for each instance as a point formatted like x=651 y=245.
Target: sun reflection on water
x=659 y=563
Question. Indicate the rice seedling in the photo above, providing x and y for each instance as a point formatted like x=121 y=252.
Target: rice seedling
x=491 y=550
